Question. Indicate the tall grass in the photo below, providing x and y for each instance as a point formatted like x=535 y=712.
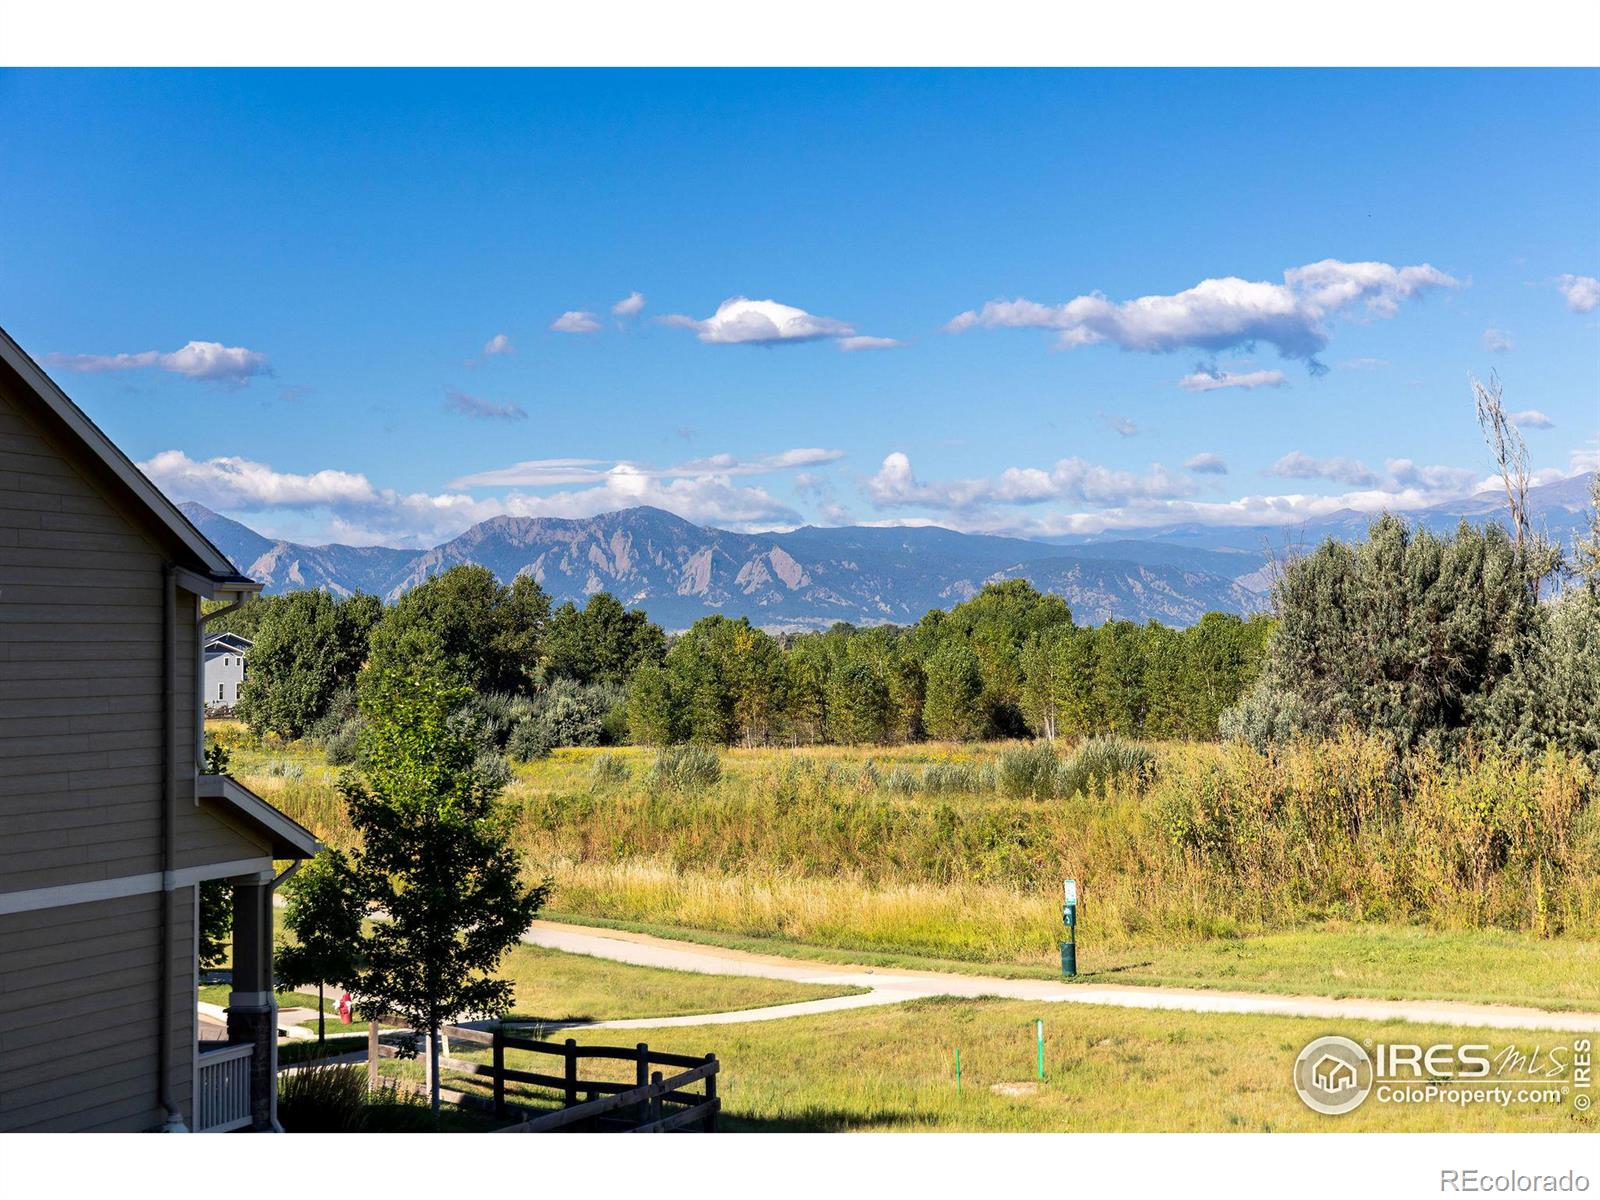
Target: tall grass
x=958 y=851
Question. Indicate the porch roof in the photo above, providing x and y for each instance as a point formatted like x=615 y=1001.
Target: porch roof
x=286 y=838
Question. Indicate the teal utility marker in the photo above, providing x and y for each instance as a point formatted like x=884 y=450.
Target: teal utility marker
x=1038 y=1029
x=958 y=1072
x=1069 y=918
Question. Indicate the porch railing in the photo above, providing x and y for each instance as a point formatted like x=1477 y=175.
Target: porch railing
x=222 y=1089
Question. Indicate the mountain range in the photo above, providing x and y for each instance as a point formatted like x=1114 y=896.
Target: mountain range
x=811 y=577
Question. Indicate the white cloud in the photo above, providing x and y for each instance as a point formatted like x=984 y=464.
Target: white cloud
x=546 y=472
x=234 y=482
x=1531 y=418
x=1210 y=381
x=862 y=342
x=576 y=321
x=1223 y=314
x=197 y=360
x=1207 y=464
x=1406 y=476
x=482 y=410
x=499 y=344
x=896 y=485
x=1401 y=475
x=1119 y=425
x=1581 y=292
x=1119 y=500
x=1497 y=341
x=361 y=513
x=741 y=321
x=630 y=305
x=1297 y=465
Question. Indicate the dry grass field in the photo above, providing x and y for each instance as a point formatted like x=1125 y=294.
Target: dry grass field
x=1219 y=868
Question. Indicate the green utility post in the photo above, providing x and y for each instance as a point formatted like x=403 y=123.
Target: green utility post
x=1069 y=918
x=1038 y=1030
x=958 y=1072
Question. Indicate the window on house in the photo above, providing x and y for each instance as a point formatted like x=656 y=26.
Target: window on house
x=220 y=686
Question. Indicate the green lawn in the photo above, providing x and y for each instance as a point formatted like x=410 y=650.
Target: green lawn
x=552 y=986
x=217 y=993
x=1484 y=965
x=337 y=1043
x=1378 y=961
x=1107 y=1070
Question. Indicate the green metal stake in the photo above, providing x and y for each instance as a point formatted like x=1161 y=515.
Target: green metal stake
x=958 y=1072
x=1039 y=1034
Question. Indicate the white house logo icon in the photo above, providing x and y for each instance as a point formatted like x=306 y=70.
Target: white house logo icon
x=1333 y=1075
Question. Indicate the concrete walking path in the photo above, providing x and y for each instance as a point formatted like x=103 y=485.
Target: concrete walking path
x=891 y=986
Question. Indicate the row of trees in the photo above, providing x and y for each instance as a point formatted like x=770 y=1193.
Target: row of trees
x=1007 y=663
x=493 y=639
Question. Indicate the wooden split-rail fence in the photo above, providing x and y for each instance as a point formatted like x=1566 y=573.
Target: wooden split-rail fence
x=652 y=1103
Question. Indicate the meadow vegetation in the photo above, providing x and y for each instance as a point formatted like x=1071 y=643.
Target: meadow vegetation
x=1411 y=743
x=1205 y=864
x=1106 y=1070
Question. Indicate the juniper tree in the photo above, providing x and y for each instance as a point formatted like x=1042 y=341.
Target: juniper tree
x=435 y=867
x=1405 y=634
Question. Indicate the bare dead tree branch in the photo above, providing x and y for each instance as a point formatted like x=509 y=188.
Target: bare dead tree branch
x=1511 y=459
x=1509 y=450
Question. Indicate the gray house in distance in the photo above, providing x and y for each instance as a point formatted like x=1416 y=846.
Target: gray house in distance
x=224 y=669
x=109 y=823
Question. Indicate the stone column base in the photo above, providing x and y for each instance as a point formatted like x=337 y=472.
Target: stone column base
x=259 y=1028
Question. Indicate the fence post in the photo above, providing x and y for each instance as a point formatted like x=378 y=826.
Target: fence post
x=641 y=1076
x=572 y=1072
x=655 y=1100
x=372 y=1056
x=499 y=1075
x=711 y=1096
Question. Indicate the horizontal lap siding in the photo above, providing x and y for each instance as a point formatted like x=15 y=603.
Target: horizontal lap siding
x=81 y=679
x=206 y=836
x=51 y=1075
x=81 y=601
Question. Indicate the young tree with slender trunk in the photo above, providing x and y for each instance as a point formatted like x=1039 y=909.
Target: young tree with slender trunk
x=323 y=910
x=436 y=867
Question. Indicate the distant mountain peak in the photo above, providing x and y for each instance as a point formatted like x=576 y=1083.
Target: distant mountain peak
x=812 y=576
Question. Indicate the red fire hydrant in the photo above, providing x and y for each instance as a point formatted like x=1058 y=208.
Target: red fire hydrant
x=344 y=1008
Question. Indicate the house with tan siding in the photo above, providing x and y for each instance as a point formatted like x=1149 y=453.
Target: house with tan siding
x=109 y=822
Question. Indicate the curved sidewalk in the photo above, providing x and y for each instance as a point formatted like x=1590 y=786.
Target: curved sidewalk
x=894 y=986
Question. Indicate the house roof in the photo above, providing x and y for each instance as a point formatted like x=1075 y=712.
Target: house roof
x=216 y=575
x=288 y=838
x=228 y=641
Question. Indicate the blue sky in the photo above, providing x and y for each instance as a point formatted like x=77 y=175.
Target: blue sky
x=278 y=291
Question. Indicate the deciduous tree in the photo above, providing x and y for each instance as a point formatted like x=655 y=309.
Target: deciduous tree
x=435 y=867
